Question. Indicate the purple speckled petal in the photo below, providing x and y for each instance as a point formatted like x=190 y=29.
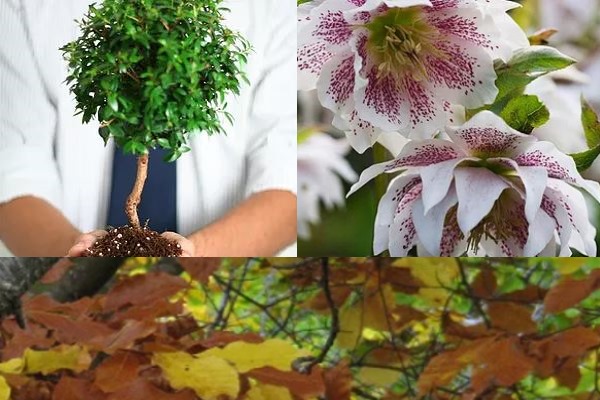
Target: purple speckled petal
x=386 y=210
x=360 y=133
x=336 y=83
x=430 y=225
x=421 y=153
x=322 y=32
x=464 y=74
x=403 y=235
x=567 y=206
x=559 y=166
x=486 y=135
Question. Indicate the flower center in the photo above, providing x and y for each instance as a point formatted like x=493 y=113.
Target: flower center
x=399 y=40
x=502 y=223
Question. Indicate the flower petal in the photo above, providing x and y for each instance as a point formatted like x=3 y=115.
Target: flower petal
x=487 y=135
x=402 y=232
x=436 y=181
x=382 y=100
x=559 y=166
x=430 y=224
x=541 y=232
x=367 y=175
x=387 y=207
x=477 y=190
x=421 y=153
x=462 y=74
x=535 y=180
x=336 y=82
x=574 y=205
x=360 y=133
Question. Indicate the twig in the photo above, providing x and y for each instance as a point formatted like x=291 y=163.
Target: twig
x=476 y=302
x=334 y=329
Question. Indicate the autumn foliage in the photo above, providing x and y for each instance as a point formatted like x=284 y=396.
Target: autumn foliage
x=313 y=328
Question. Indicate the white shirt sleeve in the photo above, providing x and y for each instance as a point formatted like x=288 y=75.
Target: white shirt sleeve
x=271 y=153
x=27 y=115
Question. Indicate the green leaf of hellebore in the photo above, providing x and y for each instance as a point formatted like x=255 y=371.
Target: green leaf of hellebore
x=524 y=67
x=591 y=125
x=525 y=113
x=585 y=159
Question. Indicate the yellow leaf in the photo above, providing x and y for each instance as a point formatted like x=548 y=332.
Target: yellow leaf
x=4 y=389
x=14 y=366
x=570 y=265
x=380 y=377
x=351 y=327
x=75 y=358
x=210 y=377
x=434 y=272
x=245 y=356
x=268 y=392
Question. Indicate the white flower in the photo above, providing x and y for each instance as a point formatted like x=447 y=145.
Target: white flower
x=399 y=65
x=321 y=163
x=489 y=188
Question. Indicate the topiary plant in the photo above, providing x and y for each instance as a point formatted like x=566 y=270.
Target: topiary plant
x=152 y=72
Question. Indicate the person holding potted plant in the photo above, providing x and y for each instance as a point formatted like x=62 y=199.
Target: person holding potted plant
x=233 y=194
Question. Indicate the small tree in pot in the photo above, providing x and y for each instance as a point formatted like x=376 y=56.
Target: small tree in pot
x=153 y=71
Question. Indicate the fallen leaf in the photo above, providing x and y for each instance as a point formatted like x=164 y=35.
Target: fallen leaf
x=300 y=385
x=4 y=389
x=141 y=389
x=245 y=356
x=210 y=377
x=76 y=389
x=14 y=366
x=117 y=371
x=74 y=358
x=268 y=392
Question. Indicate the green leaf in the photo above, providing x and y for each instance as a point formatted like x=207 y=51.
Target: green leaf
x=112 y=102
x=524 y=67
x=539 y=60
x=585 y=159
x=591 y=125
x=525 y=113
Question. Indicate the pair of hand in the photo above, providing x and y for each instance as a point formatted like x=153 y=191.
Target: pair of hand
x=87 y=240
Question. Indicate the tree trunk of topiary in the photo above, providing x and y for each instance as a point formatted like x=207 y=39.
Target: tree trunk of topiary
x=136 y=193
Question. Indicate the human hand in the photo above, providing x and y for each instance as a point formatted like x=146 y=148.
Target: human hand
x=87 y=240
x=188 y=249
x=84 y=242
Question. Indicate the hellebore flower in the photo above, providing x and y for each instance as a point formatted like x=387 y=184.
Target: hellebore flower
x=321 y=163
x=489 y=188
x=399 y=65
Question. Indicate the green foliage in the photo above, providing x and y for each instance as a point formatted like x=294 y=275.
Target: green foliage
x=524 y=67
x=591 y=127
x=153 y=71
x=525 y=113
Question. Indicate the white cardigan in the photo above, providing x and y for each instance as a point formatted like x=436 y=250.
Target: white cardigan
x=47 y=152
